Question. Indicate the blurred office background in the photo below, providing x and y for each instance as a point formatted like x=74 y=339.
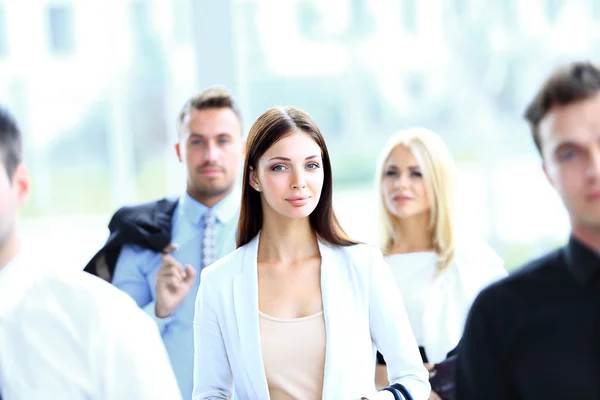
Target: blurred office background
x=96 y=86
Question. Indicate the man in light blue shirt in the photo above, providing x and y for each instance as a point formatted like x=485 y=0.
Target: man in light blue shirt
x=203 y=225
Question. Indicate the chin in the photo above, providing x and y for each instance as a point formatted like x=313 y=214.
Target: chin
x=299 y=212
x=403 y=213
x=298 y=215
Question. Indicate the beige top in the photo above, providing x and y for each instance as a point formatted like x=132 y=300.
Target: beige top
x=293 y=351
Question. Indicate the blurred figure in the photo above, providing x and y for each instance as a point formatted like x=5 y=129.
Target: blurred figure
x=152 y=242
x=438 y=273
x=66 y=335
x=535 y=334
x=295 y=311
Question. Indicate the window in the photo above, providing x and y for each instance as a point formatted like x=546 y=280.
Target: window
x=61 y=29
x=182 y=15
x=553 y=8
x=3 y=33
x=409 y=15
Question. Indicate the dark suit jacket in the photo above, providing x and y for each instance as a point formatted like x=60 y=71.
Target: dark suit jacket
x=147 y=225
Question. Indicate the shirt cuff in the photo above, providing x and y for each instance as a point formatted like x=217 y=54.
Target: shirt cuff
x=150 y=309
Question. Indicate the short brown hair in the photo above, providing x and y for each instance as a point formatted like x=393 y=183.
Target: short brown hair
x=273 y=125
x=568 y=84
x=213 y=97
x=10 y=142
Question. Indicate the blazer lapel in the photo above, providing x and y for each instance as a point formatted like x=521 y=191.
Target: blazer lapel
x=245 y=295
x=333 y=311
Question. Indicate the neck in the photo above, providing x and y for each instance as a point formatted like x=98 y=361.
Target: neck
x=9 y=248
x=287 y=240
x=413 y=234
x=208 y=200
x=590 y=236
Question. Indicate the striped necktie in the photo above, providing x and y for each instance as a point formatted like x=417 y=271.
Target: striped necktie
x=208 y=238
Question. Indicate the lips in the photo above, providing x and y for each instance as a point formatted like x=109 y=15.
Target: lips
x=211 y=171
x=594 y=196
x=298 y=201
x=402 y=198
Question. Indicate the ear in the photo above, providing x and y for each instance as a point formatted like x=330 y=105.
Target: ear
x=20 y=183
x=178 y=151
x=253 y=179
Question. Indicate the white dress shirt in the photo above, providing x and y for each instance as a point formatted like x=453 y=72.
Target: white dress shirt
x=72 y=336
x=437 y=305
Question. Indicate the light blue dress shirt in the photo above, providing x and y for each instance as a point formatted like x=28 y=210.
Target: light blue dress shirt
x=136 y=270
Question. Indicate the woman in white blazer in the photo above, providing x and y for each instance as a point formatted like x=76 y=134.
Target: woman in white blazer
x=299 y=308
x=438 y=275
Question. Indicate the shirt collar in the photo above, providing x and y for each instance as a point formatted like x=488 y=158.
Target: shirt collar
x=224 y=210
x=582 y=261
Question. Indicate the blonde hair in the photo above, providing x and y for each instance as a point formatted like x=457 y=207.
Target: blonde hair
x=437 y=167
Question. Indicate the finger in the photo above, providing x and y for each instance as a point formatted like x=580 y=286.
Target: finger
x=171 y=270
x=170 y=248
x=173 y=283
x=168 y=260
x=190 y=275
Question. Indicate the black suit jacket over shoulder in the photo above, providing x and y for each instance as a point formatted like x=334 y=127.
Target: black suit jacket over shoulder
x=147 y=225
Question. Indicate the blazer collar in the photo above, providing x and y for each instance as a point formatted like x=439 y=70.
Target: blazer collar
x=245 y=297
x=246 y=309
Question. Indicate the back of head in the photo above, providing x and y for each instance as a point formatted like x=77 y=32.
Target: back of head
x=10 y=142
x=270 y=127
x=566 y=85
x=438 y=169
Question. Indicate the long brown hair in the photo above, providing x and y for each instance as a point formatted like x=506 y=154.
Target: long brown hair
x=273 y=125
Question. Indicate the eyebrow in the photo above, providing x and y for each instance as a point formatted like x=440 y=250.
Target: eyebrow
x=287 y=159
x=203 y=135
x=411 y=167
x=565 y=146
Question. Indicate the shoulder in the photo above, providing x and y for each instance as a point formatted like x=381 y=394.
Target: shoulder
x=165 y=205
x=362 y=254
x=477 y=254
x=528 y=279
x=359 y=260
x=478 y=264
x=86 y=300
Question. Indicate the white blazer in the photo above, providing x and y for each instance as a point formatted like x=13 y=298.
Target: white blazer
x=363 y=309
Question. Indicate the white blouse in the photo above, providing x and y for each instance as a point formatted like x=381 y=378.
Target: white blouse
x=438 y=305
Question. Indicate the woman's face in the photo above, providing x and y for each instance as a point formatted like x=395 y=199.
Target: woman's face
x=290 y=176
x=403 y=188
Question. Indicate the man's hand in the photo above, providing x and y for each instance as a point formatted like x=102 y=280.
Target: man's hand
x=173 y=283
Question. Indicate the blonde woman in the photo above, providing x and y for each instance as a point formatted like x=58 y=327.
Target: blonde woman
x=438 y=274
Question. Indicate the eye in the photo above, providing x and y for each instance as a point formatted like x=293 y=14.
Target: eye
x=278 y=168
x=567 y=155
x=224 y=140
x=416 y=174
x=391 y=173
x=197 y=142
x=313 y=165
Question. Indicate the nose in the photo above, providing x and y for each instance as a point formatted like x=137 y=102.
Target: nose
x=402 y=182
x=298 y=181
x=211 y=152
x=593 y=170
